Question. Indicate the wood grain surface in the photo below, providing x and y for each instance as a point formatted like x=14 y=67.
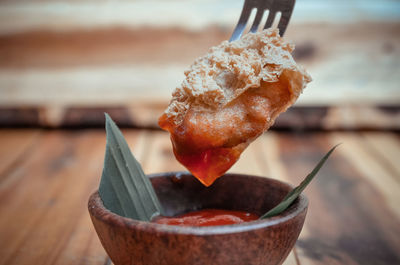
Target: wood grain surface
x=46 y=177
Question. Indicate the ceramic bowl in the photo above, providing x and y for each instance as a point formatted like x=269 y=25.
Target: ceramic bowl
x=261 y=242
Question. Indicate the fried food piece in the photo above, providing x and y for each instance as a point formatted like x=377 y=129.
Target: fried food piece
x=229 y=97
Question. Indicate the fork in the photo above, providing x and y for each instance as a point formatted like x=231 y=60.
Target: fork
x=285 y=7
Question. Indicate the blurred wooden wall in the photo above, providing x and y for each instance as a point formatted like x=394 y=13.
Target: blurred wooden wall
x=62 y=63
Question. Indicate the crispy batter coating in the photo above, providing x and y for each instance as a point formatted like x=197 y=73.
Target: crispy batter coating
x=229 y=97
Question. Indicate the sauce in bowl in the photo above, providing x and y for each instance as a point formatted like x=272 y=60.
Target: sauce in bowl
x=207 y=217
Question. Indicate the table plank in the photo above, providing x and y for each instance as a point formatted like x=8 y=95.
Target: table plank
x=14 y=146
x=250 y=161
x=46 y=189
x=349 y=221
x=45 y=201
x=160 y=157
x=352 y=216
x=385 y=147
x=356 y=150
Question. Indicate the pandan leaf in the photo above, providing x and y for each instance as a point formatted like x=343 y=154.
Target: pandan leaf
x=124 y=188
x=291 y=196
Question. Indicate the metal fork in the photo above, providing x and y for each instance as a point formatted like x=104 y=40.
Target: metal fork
x=274 y=6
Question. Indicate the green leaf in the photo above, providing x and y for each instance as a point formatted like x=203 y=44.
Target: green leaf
x=292 y=195
x=124 y=188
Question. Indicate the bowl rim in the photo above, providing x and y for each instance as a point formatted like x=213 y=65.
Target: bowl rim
x=97 y=210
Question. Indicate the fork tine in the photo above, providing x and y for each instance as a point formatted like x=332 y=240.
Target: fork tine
x=287 y=9
x=270 y=19
x=257 y=20
x=284 y=21
x=244 y=17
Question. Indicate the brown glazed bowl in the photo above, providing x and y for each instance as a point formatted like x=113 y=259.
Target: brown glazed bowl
x=260 y=242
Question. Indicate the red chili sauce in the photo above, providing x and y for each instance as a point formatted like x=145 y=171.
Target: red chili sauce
x=208 y=217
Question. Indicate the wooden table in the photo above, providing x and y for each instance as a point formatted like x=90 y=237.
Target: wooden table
x=46 y=177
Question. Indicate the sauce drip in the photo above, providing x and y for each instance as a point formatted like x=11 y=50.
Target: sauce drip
x=208 y=217
x=209 y=142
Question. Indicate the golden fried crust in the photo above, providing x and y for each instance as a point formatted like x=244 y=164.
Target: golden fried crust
x=228 y=98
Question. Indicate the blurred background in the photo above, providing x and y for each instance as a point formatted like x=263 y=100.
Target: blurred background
x=63 y=63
